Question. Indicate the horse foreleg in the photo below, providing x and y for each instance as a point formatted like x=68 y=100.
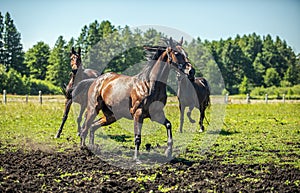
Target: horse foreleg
x=169 y=150
x=159 y=116
x=138 y=122
x=189 y=114
x=181 y=117
x=65 y=117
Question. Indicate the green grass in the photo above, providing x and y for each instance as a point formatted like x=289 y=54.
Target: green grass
x=249 y=134
x=260 y=133
x=34 y=126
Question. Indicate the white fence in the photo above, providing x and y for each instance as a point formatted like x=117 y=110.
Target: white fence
x=31 y=98
x=54 y=98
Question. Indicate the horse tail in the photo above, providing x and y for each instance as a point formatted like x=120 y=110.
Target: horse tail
x=81 y=89
x=207 y=87
x=63 y=89
x=205 y=84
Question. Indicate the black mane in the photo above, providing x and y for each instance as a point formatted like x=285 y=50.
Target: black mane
x=152 y=55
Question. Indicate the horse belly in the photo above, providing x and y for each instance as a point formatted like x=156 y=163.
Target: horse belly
x=116 y=96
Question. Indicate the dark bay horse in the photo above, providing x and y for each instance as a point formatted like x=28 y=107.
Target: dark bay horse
x=192 y=93
x=78 y=74
x=133 y=97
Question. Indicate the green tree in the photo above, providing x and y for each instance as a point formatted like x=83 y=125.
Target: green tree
x=13 y=49
x=2 y=55
x=92 y=34
x=272 y=77
x=152 y=37
x=36 y=59
x=292 y=74
x=105 y=29
x=244 y=86
x=233 y=61
x=15 y=83
x=3 y=78
x=82 y=40
x=59 y=66
x=259 y=70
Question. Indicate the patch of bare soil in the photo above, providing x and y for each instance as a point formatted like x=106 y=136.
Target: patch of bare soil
x=81 y=171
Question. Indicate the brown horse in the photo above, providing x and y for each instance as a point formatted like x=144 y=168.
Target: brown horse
x=192 y=93
x=133 y=97
x=78 y=74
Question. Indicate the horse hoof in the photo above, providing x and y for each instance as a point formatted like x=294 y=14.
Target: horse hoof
x=192 y=121
x=201 y=130
x=57 y=136
x=138 y=161
x=78 y=134
x=168 y=154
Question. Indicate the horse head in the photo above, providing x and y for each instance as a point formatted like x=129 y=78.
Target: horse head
x=179 y=56
x=185 y=68
x=75 y=58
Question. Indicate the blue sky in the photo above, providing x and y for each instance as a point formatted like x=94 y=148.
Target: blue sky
x=208 y=19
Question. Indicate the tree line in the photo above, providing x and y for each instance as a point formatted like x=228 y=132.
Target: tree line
x=235 y=65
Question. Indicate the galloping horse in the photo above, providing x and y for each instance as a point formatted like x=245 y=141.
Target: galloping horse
x=133 y=97
x=195 y=93
x=78 y=74
x=192 y=92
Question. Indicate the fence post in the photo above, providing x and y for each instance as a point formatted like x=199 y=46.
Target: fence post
x=40 y=97
x=266 y=98
x=226 y=98
x=26 y=100
x=283 y=98
x=4 y=97
x=248 y=98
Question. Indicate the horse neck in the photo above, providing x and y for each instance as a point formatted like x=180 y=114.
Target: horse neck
x=183 y=84
x=79 y=75
x=160 y=70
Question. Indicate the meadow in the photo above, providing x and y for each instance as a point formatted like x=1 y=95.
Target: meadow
x=258 y=134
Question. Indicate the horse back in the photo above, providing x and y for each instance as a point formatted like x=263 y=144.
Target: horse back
x=112 y=88
x=90 y=73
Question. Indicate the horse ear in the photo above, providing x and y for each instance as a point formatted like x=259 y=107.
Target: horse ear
x=79 y=51
x=73 y=50
x=181 y=41
x=171 y=43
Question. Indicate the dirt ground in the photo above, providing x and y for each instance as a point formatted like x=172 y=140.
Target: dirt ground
x=81 y=171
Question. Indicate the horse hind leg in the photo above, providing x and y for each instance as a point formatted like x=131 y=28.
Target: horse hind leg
x=157 y=114
x=107 y=119
x=79 y=119
x=138 y=123
x=202 y=116
x=90 y=116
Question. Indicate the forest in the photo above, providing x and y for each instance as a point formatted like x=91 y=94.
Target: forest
x=246 y=62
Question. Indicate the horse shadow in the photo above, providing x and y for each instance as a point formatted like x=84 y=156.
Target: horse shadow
x=223 y=132
x=120 y=138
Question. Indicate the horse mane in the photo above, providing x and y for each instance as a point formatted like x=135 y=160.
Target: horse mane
x=152 y=55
